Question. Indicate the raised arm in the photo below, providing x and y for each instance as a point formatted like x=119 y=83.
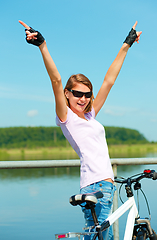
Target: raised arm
x=114 y=69
x=61 y=107
x=35 y=38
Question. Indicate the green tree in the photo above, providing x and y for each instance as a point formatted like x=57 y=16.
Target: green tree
x=31 y=137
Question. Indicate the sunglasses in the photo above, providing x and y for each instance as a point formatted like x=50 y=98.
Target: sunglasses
x=80 y=94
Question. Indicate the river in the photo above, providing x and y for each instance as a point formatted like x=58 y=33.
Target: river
x=34 y=203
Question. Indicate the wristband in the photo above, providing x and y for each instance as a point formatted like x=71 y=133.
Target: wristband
x=130 y=39
x=37 y=42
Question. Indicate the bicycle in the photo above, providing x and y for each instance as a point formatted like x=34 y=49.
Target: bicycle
x=136 y=228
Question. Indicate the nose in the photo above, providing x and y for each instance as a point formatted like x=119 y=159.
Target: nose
x=83 y=98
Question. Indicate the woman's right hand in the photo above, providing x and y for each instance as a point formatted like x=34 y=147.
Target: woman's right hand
x=32 y=36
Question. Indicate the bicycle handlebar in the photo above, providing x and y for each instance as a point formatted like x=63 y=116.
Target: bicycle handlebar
x=146 y=174
x=154 y=175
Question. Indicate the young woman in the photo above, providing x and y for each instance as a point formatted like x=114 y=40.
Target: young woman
x=76 y=110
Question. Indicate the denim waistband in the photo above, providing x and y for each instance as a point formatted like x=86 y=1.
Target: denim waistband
x=101 y=183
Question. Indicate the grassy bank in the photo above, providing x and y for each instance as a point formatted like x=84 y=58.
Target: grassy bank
x=116 y=151
x=134 y=150
x=37 y=153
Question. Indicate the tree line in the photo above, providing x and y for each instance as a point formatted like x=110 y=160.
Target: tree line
x=31 y=137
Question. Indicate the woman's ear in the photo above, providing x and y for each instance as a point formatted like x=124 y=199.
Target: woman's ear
x=66 y=92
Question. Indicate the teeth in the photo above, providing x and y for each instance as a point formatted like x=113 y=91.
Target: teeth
x=81 y=104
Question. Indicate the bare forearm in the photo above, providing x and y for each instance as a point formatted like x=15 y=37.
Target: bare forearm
x=61 y=107
x=116 y=66
x=49 y=63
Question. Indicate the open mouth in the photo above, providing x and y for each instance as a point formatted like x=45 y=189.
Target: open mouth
x=81 y=104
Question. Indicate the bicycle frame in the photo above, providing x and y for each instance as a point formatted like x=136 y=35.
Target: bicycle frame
x=132 y=215
x=133 y=219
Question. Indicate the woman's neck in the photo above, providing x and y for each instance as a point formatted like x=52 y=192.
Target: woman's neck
x=79 y=114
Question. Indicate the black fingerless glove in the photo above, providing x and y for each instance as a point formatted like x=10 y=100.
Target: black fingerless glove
x=37 y=42
x=130 y=39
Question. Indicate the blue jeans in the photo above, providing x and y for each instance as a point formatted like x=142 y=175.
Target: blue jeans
x=103 y=207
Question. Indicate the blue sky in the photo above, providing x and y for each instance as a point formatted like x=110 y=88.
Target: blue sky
x=82 y=37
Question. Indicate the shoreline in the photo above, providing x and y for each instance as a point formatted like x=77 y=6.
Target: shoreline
x=56 y=153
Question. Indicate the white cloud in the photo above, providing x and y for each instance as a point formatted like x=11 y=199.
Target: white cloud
x=152 y=115
x=118 y=110
x=32 y=113
x=39 y=98
x=9 y=93
x=153 y=120
x=4 y=89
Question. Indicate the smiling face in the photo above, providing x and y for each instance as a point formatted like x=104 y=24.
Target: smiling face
x=78 y=104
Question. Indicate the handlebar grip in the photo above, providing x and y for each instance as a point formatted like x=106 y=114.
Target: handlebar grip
x=154 y=175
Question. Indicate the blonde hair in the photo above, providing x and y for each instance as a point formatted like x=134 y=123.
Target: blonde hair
x=80 y=78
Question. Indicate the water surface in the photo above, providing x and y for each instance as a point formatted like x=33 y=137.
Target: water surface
x=34 y=203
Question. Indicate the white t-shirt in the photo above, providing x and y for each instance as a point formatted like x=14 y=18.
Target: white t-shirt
x=87 y=137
